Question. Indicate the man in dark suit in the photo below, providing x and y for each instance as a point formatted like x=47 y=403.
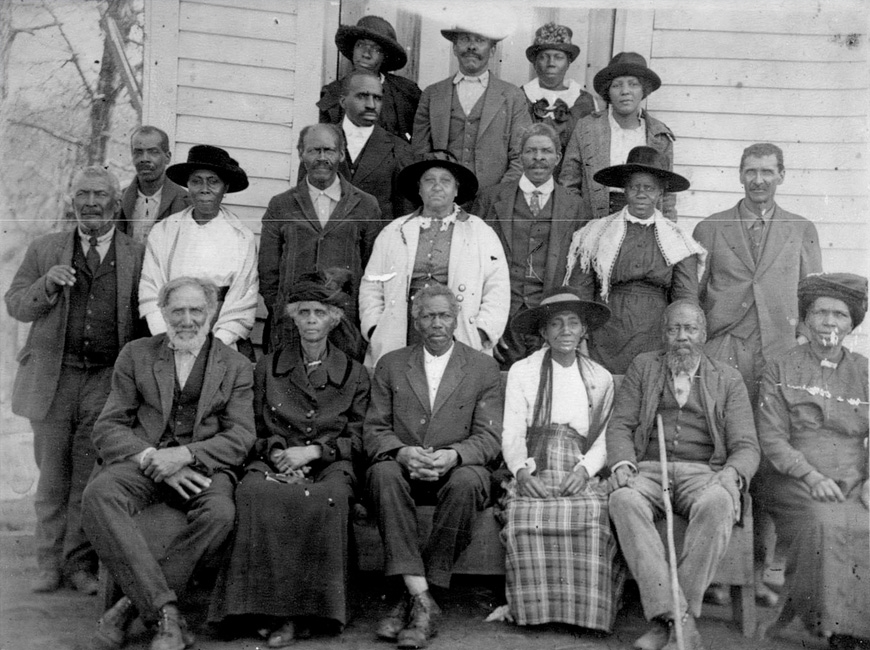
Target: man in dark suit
x=324 y=222
x=432 y=428
x=473 y=115
x=179 y=418
x=79 y=291
x=151 y=197
x=534 y=218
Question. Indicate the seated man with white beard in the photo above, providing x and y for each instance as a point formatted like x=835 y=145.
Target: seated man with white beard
x=179 y=418
x=712 y=453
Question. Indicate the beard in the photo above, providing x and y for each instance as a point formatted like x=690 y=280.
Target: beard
x=683 y=359
x=185 y=344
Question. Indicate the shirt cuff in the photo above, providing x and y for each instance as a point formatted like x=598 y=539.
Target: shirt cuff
x=624 y=462
x=142 y=455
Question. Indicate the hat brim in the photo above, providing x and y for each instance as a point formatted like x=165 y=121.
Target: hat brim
x=606 y=75
x=409 y=179
x=593 y=315
x=236 y=181
x=573 y=51
x=618 y=175
x=451 y=34
x=346 y=37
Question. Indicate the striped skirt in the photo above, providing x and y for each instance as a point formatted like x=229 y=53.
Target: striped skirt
x=562 y=561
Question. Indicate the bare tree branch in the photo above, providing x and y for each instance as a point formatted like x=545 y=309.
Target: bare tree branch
x=30 y=30
x=74 y=57
x=48 y=130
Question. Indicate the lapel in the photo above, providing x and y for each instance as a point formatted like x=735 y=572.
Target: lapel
x=454 y=373
x=349 y=200
x=128 y=202
x=214 y=375
x=461 y=244
x=372 y=156
x=417 y=377
x=125 y=263
x=560 y=230
x=493 y=99
x=65 y=250
x=170 y=191
x=504 y=210
x=775 y=240
x=735 y=237
x=306 y=207
x=439 y=114
x=409 y=233
x=164 y=376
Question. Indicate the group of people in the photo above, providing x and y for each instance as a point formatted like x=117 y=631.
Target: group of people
x=432 y=240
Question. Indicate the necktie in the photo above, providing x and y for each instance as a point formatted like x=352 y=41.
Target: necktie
x=535 y=203
x=93 y=256
x=756 y=228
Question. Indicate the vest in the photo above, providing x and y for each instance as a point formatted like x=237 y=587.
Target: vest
x=462 y=138
x=686 y=435
x=91 y=327
x=182 y=417
x=530 y=240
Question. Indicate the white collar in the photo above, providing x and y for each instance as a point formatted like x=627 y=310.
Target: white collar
x=154 y=197
x=333 y=191
x=482 y=78
x=352 y=130
x=546 y=188
x=630 y=218
x=614 y=125
x=102 y=239
x=426 y=222
x=429 y=358
x=534 y=91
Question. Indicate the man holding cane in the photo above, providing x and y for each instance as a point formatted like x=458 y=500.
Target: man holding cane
x=712 y=450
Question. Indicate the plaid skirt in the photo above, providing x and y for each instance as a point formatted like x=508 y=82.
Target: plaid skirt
x=561 y=556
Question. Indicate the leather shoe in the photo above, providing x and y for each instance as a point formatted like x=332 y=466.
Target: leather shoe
x=84 y=582
x=395 y=621
x=283 y=636
x=172 y=632
x=691 y=636
x=421 y=623
x=113 y=625
x=656 y=636
x=46 y=580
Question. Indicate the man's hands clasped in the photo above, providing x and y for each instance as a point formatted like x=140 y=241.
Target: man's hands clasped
x=170 y=466
x=427 y=464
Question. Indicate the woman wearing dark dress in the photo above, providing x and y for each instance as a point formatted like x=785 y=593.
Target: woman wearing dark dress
x=636 y=260
x=289 y=561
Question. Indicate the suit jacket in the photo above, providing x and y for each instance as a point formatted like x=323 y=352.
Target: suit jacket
x=588 y=152
x=143 y=385
x=174 y=199
x=42 y=356
x=497 y=150
x=399 y=104
x=495 y=205
x=733 y=283
x=293 y=242
x=377 y=170
x=726 y=406
x=468 y=406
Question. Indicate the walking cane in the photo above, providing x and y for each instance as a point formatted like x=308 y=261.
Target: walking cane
x=672 y=549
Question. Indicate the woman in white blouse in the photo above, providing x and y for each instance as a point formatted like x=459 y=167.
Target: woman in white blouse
x=560 y=550
x=207 y=241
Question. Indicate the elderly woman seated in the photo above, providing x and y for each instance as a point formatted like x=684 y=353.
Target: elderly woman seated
x=289 y=561
x=812 y=424
x=560 y=549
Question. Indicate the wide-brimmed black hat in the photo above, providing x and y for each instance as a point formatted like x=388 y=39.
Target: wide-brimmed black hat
x=642 y=159
x=409 y=177
x=373 y=28
x=625 y=64
x=848 y=287
x=205 y=156
x=553 y=37
x=332 y=286
x=555 y=301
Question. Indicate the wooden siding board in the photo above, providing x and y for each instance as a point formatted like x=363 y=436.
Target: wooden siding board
x=273 y=6
x=764 y=128
x=220 y=48
x=754 y=47
x=239 y=78
x=704 y=152
x=256 y=162
x=773 y=75
x=816 y=208
x=233 y=133
x=805 y=102
x=760 y=21
x=204 y=102
x=236 y=21
x=799 y=182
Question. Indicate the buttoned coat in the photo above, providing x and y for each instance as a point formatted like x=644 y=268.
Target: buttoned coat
x=496 y=206
x=138 y=408
x=293 y=242
x=733 y=282
x=477 y=273
x=466 y=417
x=399 y=103
x=588 y=152
x=173 y=199
x=726 y=409
x=27 y=301
x=497 y=150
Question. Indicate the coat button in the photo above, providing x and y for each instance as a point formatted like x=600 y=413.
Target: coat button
x=307 y=430
x=422 y=420
x=462 y=287
x=459 y=298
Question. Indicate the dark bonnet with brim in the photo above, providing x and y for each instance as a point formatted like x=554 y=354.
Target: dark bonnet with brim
x=848 y=287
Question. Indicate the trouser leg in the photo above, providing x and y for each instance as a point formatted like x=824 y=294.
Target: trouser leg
x=51 y=444
x=389 y=492
x=461 y=498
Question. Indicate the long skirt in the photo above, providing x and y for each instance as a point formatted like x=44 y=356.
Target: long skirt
x=289 y=558
x=561 y=556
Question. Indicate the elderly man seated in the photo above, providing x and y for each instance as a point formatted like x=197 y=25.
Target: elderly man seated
x=179 y=418
x=812 y=425
x=712 y=454
x=431 y=430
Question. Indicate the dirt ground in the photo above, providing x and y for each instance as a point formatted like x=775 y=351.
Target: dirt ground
x=64 y=620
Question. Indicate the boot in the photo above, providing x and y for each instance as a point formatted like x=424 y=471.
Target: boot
x=656 y=636
x=691 y=636
x=422 y=622
x=395 y=621
x=172 y=632
x=113 y=625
